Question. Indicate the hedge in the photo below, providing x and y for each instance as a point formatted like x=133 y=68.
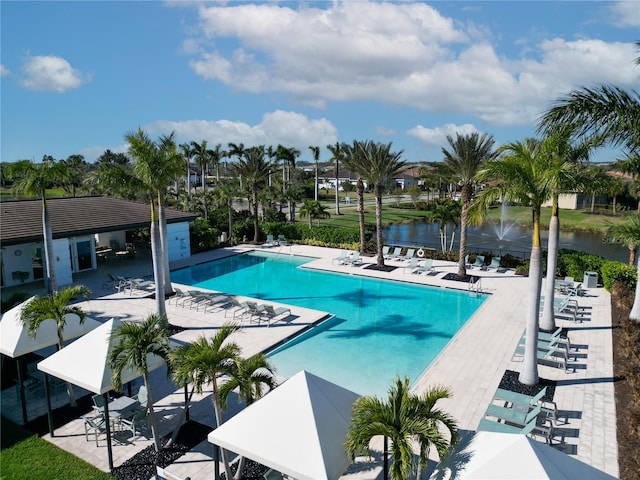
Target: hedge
x=618 y=272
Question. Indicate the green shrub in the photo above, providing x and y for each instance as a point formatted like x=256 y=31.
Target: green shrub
x=613 y=272
x=325 y=236
x=203 y=236
x=572 y=263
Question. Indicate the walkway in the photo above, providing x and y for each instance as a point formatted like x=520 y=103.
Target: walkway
x=472 y=364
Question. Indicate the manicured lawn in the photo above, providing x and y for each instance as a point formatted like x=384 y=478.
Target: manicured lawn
x=24 y=455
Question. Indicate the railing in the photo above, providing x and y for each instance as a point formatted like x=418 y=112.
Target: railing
x=475 y=286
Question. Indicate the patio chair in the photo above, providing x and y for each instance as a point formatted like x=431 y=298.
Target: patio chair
x=141 y=397
x=180 y=295
x=512 y=415
x=111 y=283
x=140 y=284
x=548 y=407
x=96 y=425
x=412 y=266
x=211 y=300
x=409 y=255
x=194 y=297
x=340 y=258
x=425 y=267
x=271 y=242
x=395 y=254
x=353 y=259
x=385 y=250
x=98 y=403
x=269 y=312
x=495 y=264
x=282 y=240
x=237 y=308
x=253 y=310
x=135 y=424
x=479 y=262
x=489 y=425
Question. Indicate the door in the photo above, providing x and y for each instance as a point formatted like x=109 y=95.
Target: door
x=83 y=250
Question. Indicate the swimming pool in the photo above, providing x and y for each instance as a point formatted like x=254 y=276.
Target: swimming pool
x=380 y=329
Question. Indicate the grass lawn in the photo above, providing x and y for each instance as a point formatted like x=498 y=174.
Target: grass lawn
x=23 y=455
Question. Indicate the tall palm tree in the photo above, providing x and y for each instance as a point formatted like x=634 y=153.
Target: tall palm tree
x=463 y=161
x=252 y=377
x=337 y=156
x=255 y=169
x=202 y=156
x=34 y=179
x=155 y=165
x=315 y=151
x=202 y=362
x=564 y=175
x=446 y=212
x=74 y=176
x=236 y=150
x=133 y=343
x=225 y=193
x=187 y=155
x=290 y=190
x=630 y=164
x=521 y=173
x=629 y=233
x=217 y=154
x=355 y=159
x=383 y=165
x=55 y=306
x=404 y=418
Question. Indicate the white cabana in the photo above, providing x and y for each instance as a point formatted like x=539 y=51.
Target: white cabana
x=91 y=352
x=298 y=429
x=15 y=340
x=510 y=456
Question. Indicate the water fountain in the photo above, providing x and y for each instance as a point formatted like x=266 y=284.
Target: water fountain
x=502 y=229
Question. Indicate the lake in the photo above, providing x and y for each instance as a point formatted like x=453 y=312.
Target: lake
x=510 y=239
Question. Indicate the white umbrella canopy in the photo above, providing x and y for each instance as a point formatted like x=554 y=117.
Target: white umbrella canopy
x=15 y=340
x=299 y=428
x=85 y=362
x=495 y=456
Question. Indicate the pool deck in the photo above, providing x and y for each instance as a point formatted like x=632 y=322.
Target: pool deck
x=471 y=365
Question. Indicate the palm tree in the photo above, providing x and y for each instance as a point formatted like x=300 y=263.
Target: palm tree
x=337 y=156
x=355 y=159
x=54 y=306
x=630 y=164
x=521 y=173
x=252 y=377
x=225 y=193
x=255 y=169
x=33 y=179
x=629 y=233
x=404 y=418
x=187 y=155
x=468 y=153
x=315 y=151
x=446 y=212
x=236 y=150
x=74 y=175
x=217 y=154
x=288 y=156
x=155 y=165
x=132 y=344
x=564 y=175
x=314 y=211
x=383 y=165
x=202 y=156
x=202 y=362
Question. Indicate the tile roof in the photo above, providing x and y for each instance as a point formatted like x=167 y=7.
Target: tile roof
x=21 y=221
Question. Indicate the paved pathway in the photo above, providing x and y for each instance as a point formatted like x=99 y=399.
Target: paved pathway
x=472 y=365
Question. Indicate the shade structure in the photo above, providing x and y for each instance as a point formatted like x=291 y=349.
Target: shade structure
x=490 y=455
x=298 y=429
x=15 y=340
x=85 y=362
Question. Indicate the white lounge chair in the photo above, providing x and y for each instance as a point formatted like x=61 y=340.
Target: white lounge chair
x=270 y=313
x=395 y=254
x=341 y=258
x=353 y=259
x=426 y=267
x=412 y=267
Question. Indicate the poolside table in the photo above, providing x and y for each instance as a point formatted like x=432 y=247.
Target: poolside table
x=120 y=407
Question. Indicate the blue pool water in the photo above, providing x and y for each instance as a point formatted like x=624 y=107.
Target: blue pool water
x=381 y=328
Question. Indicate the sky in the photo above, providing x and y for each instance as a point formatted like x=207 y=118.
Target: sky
x=76 y=76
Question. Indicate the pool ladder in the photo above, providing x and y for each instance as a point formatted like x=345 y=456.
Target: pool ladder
x=475 y=286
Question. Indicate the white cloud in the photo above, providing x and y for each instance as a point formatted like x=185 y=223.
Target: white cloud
x=50 y=73
x=403 y=54
x=278 y=127
x=4 y=71
x=438 y=136
x=625 y=13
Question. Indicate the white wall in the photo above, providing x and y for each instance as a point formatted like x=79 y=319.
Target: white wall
x=179 y=243
x=17 y=258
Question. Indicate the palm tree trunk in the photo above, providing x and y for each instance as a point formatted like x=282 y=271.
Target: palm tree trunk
x=152 y=414
x=632 y=254
x=529 y=373
x=634 y=315
x=337 y=180
x=593 y=202
x=218 y=411
x=548 y=321
x=164 y=243
x=462 y=268
x=156 y=256
x=453 y=236
x=361 y=215
x=70 y=392
x=378 y=194
x=183 y=415
x=256 y=229
x=230 y=214
x=50 y=281
x=315 y=189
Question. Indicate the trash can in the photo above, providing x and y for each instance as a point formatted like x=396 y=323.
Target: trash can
x=590 y=280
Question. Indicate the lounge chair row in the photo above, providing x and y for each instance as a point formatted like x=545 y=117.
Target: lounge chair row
x=347 y=258
x=396 y=253
x=479 y=263
x=513 y=412
x=254 y=312
x=272 y=242
x=418 y=267
x=565 y=306
x=552 y=350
